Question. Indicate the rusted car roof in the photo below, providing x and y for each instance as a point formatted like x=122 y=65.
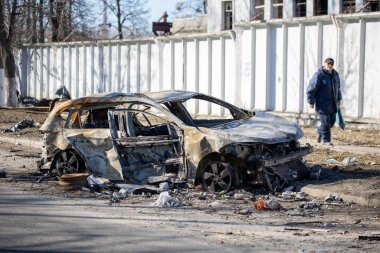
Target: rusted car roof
x=154 y=98
x=114 y=97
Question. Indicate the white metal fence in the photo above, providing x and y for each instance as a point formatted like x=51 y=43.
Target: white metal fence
x=262 y=66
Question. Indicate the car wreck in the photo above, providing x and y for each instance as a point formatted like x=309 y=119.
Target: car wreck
x=152 y=137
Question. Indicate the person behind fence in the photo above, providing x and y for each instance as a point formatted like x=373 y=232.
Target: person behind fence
x=164 y=18
x=324 y=95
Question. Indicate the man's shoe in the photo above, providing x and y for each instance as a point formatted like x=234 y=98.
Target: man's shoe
x=328 y=144
x=319 y=139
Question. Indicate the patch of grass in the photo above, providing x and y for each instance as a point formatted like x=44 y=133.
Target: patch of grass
x=361 y=137
x=319 y=156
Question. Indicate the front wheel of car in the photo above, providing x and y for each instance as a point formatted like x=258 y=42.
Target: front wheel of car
x=68 y=161
x=217 y=177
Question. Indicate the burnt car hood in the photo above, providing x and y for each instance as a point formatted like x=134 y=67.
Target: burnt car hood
x=262 y=128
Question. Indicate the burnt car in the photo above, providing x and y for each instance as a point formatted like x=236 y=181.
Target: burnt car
x=147 y=137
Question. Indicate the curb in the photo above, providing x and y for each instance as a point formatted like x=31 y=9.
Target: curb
x=315 y=192
x=22 y=141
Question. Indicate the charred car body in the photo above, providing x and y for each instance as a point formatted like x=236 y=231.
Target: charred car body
x=142 y=138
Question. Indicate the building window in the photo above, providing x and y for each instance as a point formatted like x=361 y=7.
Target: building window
x=300 y=8
x=320 y=7
x=257 y=9
x=371 y=6
x=227 y=9
x=349 y=6
x=277 y=8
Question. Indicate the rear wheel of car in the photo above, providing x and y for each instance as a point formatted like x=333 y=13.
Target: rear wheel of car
x=68 y=161
x=218 y=177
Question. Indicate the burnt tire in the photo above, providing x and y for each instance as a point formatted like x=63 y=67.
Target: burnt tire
x=218 y=177
x=68 y=161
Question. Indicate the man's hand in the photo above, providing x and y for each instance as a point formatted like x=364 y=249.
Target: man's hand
x=311 y=106
x=338 y=104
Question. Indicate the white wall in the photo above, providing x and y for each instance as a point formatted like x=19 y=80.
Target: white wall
x=241 y=10
x=214 y=13
x=371 y=94
x=262 y=67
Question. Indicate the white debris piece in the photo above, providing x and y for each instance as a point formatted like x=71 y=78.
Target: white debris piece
x=242 y=196
x=288 y=195
x=165 y=200
x=300 y=195
x=91 y=180
x=272 y=204
x=333 y=197
x=351 y=160
x=120 y=195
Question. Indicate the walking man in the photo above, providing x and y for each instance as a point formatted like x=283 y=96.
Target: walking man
x=323 y=94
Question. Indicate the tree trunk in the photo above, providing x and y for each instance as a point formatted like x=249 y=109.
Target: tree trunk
x=41 y=29
x=54 y=14
x=69 y=20
x=10 y=81
x=1 y=79
x=34 y=21
x=119 y=24
x=6 y=37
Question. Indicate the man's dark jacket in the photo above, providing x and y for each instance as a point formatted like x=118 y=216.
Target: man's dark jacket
x=324 y=91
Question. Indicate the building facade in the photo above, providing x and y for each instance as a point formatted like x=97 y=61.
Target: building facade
x=224 y=14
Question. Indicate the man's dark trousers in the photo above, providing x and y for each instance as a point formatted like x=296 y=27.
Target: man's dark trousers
x=327 y=122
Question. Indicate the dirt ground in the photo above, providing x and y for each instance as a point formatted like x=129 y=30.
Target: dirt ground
x=350 y=136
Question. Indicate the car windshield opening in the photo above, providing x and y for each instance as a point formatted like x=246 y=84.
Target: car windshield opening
x=204 y=111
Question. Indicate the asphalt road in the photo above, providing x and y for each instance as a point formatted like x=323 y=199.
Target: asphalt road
x=31 y=223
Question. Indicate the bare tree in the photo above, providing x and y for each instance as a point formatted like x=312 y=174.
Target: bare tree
x=8 y=12
x=131 y=17
x=41 y=17
x=70 y=20
x=56 y=14
x=191 y=8
x=31 y=24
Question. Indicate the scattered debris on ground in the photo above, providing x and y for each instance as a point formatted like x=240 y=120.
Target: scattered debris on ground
x=3 y=173
x=25 y=123
x=370 y=238
x=31 y=101
x=166 y=200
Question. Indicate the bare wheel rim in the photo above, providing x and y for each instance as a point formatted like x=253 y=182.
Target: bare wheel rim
x=67 y=162
x=218 y=177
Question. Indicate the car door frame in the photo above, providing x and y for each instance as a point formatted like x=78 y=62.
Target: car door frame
x=121 y=137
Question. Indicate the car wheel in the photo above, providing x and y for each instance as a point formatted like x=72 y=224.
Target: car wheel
x=68 y=162
x=217 y=177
